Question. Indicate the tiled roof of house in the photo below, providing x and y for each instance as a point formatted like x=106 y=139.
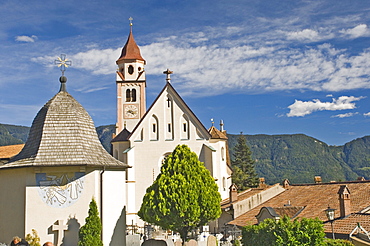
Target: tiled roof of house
x=315 y=198
x=347 y=224
x=63 y=134
x=289 y=211
x=10 y=150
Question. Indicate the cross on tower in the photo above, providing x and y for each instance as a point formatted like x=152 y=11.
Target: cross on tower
x=60 y=228
x=168 y=73
x=63 y=63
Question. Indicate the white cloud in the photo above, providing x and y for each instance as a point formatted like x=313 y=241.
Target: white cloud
x=203 y=68
x=346 y=115
x=356 y=32
x=309 y=35
x=303 y=35
x=367 y=114
x=301 y=108
x=27 y=39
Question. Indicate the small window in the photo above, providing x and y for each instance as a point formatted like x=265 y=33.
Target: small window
x=154 y=127
x=168 y=103
x=133 y=95
x=184 y=127
x=169 y=127
x=128 y=95
x=130 y=69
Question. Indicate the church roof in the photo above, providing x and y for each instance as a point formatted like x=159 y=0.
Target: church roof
x=63 y=134
x=131 y=50
x=216 y=134
x=122 y=136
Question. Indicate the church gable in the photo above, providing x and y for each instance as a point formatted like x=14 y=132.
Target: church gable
x=169 y=118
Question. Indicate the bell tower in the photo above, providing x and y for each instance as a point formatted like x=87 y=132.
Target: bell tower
x=131 y=83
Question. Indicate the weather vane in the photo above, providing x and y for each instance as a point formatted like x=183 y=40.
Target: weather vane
x=63 y=63
x=130 y=19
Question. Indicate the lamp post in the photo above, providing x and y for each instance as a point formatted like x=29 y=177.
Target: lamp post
x=330 y=215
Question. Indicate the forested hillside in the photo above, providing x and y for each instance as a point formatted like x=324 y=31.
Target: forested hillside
x=299 y=158
x=296 y=157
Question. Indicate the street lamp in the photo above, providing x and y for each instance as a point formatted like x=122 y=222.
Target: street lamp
x=330 y=215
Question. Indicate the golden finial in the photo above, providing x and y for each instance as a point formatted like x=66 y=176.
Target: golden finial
x=130 y=19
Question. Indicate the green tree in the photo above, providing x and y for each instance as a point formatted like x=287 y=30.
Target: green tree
x=184 y=195
x=90 y=233
x=304 y=232
x=244 y=174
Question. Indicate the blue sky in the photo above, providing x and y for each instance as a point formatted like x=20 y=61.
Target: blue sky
x=264 y=67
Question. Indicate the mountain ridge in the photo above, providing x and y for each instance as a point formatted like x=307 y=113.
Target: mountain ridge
x=297 y=157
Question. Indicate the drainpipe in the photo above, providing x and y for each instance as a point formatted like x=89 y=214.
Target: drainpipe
x=101 y=199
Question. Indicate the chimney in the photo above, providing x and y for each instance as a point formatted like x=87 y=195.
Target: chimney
x=233 y=193
x=317 y=179
x=344 y=200
x=262 y=183
x=221 y=125
x=286 y=183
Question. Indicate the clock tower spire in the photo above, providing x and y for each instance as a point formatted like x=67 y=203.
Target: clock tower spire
x=131 y=83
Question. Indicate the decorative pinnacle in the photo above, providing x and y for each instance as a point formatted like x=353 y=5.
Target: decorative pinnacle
x=168 y=73
x=212 y=121
x=63 y=63
x=130 y=19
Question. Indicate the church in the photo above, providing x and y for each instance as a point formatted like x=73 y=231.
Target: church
x=49 y=184
x=145 y=137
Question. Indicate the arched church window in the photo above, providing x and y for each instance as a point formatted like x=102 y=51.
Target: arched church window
x=130 y=69
x=133 y=95
x=128 y=95
x=223 y=153
x=224 y=183
x=154 y=135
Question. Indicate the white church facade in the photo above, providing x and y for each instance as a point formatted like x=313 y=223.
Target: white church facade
x=48 y=186
x=145 y=137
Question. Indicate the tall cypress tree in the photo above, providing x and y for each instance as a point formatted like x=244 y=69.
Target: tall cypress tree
x=244 y=174
x=90 y=233
x=184 y=195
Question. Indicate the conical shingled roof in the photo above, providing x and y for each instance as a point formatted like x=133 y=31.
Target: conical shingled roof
x=63 y=134
x=131 y=50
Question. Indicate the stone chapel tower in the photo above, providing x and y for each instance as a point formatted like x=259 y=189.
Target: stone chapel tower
x=131 y=85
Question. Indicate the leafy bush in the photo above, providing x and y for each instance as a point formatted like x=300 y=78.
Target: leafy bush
x=305 y=232
x=338 y=242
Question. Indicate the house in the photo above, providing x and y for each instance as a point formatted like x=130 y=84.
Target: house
x=351 y=201
x=239 y=203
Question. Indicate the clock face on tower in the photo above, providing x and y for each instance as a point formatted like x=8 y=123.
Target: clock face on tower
x=131 y=111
